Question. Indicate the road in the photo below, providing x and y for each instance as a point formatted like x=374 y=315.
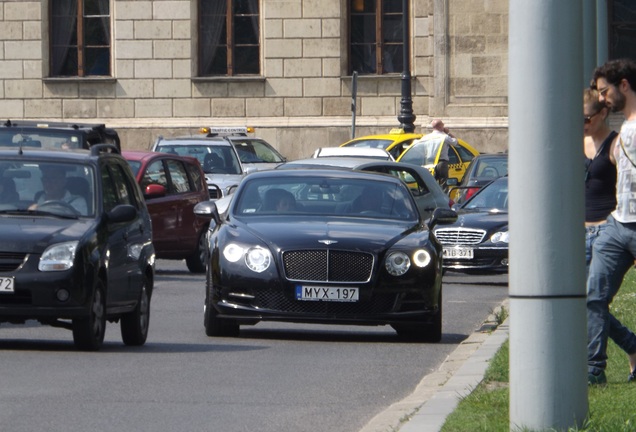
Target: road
x=275 y=377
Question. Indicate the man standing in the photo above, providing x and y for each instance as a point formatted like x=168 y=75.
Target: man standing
x=441 y=132
x=615 y=249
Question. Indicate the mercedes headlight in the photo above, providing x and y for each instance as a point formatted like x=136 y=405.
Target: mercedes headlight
x=499 y=237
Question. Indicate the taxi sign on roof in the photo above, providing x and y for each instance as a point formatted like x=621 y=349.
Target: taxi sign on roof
x=228 y=130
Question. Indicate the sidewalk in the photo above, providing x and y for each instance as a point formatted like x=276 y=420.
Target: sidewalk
x=437 y=395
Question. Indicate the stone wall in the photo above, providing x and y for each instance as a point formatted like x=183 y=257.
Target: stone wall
x=303 y=98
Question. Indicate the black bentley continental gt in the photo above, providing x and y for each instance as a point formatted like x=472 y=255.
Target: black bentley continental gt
x=324 y=246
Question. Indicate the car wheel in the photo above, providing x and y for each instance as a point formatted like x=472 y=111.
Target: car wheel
x=215 y=326
x=423 y=332
x=88 y=333
x=134 y=325
x=197 y=261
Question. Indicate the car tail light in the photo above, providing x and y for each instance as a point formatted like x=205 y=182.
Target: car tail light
x=469 y=193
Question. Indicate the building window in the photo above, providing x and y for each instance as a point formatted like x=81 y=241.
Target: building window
x=80 y=38
x=375 y=36
x=229 y=38
x=622 y=25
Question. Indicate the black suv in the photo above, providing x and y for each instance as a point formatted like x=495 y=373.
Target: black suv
x=76 y=248
x=51 y=135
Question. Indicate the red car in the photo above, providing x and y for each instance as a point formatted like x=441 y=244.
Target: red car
x=171 y=186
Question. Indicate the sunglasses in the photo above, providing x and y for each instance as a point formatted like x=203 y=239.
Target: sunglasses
x=588 y=119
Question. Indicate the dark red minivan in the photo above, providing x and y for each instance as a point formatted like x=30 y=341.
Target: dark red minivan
x=171 y=186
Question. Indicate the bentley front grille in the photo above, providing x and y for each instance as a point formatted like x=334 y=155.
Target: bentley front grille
x=325 y=265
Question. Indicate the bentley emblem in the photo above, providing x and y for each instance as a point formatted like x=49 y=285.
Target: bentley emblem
x=328 y=242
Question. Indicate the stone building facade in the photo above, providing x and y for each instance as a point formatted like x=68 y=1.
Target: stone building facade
x=301 y=100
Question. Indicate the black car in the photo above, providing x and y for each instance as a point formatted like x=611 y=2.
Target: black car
x=477 y=242
x=56 y=135
x=483 y=169
x=76 y=248
x=324 y=246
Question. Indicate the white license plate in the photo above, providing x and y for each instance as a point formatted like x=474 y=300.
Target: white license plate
x=337 y=294
x=7 y=285
x=458 y=253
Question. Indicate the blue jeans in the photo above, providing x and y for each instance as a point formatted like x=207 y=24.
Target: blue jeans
x=612 y=256
x=591 y=234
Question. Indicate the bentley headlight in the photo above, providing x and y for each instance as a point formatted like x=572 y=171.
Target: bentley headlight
x=258 y=259
x=233 y=252
x=421 y=258
x=499 y=237
x=58 y=257
x=397 y=263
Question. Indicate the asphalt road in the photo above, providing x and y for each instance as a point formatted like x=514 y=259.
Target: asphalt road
x=275 y=377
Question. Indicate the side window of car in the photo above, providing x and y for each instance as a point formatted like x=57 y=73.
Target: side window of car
x=109 y=199
x=178 y=176
x=195 y=175
x=124 y=187
x=453 y=158
x=155 y=174
x=463 y=153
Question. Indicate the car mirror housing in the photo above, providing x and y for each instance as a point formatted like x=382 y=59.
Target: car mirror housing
x=122 y=213
x=442 y=216
x=208 y=210
x=155 y=191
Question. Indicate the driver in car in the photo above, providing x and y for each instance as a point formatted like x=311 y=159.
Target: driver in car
x=54 y=185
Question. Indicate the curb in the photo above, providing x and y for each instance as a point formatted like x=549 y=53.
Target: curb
x=437 y=395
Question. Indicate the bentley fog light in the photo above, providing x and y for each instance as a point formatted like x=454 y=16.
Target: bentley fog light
x=233 y=252
x=58 y=257
x=258 y=259
x=421 y=258
x=499 y=237
x=397 y=263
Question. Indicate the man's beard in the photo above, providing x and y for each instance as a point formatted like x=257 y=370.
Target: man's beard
x=619 y=102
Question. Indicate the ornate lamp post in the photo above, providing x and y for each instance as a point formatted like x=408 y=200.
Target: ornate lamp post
x=406 y=116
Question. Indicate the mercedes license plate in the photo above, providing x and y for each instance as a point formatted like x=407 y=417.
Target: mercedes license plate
x=336 y=294
x=458 y=253
x=7 y=285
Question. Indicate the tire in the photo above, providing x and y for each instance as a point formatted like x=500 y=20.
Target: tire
x=135 y=324
x=197 y=261
x=88 y=333
x=431 y=333
x=215 y=326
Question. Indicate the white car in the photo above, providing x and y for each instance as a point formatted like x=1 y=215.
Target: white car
x=357 y=152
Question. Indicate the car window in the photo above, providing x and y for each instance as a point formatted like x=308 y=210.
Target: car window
x=195 y=175
x=256 y=151
x=326 y=196
x=453 y=157
x=123 y=187
x=422 y=153
x=372 y=143
x=465 y=155
x=178 y=176
x=494 y=196
x=42 y=138
x=154 y=174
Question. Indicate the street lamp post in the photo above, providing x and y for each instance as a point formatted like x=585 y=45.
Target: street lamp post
x=406 y=116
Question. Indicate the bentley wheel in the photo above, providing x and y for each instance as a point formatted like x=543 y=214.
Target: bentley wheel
x=197 y=261
x=215 y=326
x=88 y=333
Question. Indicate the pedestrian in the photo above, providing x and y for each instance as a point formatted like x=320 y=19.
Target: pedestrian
x=442 y=133
x=600 y=169
x=615 y=248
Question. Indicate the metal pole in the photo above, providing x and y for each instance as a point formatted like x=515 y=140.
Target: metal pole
x=406 y=116
x=354 y=104
x=602 y=32
x=548 y=338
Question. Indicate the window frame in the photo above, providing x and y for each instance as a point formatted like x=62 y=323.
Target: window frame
x=380 y=45
x=613 y=25
x=81 y=45
x=231 y=45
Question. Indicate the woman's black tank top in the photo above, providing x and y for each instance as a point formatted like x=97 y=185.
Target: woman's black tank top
x=600 y=183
